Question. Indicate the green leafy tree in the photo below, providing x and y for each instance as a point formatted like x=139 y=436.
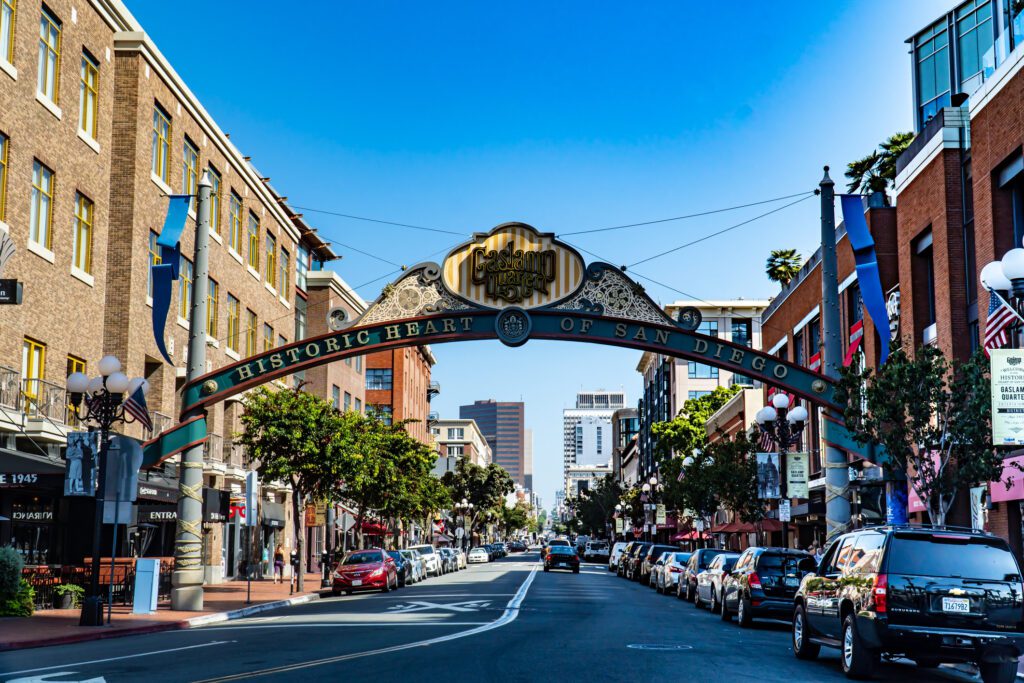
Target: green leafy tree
x=595 y=507
x=931 y=416
x=514 y=518
x=688 y=430
x=293 y=436
x=538 y=524
x=484 y=487
x=735 y=478
x=783 y=265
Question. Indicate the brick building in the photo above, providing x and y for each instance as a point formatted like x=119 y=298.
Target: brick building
x=398 y=387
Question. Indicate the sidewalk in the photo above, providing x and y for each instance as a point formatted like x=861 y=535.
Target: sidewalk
x=221 y=602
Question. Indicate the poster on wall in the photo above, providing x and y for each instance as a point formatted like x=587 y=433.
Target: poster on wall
x=768 y=476
x=796 y=475
x=1007 y=397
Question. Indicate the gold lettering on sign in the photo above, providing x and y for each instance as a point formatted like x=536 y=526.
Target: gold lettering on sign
x=412 y=329
x=567 y=324
x=244 y=372
x=263 y=368
x=467 y=324
x=585 y=325
x=737 y=356
x=312 y=350
x=700 y=346
x=640 y=335
x=718 y=350
x=429 y=328
x=363 y=337
x=620 y=330
x=660 y=337
x=449 y=325
x=780 y=371
x=757 y=363
x=276 y=361
x=511 y=274
x=332 y=344
x=392 y=332
x=293 y=354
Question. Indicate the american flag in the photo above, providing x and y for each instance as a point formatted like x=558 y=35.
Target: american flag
x=997 y=323
x=765 y=443
x=135 y=405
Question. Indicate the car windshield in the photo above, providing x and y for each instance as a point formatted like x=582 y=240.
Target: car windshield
x=729 y=562
x=479 y=550
x=600 y=545
x=771 y=563
x=682 y=558
x=425 y=549
x=363 y=558
x=562 y=550
x=955 y=556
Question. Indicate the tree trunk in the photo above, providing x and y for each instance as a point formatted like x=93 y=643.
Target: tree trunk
x=298 y=510
x=359 y=527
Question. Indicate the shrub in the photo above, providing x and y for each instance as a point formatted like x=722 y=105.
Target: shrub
x=76 y=593
x=10 y=571
x=21 y=603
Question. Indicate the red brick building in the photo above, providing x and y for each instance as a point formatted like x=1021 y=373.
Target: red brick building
x=398 y=387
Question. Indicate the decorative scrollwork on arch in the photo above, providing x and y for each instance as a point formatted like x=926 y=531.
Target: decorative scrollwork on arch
x=418 y=292
x=606 y=291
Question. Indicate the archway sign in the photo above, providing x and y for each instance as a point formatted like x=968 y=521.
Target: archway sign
x=512 y=284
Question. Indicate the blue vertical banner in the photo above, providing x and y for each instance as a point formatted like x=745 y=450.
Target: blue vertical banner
x=867 y=268
x=896 y=501
x=166 y=272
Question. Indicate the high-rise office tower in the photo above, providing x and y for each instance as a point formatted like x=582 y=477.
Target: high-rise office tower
x=501 y=423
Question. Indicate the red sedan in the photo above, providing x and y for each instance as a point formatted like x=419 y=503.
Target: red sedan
x=365 y=570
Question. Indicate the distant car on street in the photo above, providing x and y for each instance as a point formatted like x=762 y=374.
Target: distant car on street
x=431 y=560
x=615 y=555
x=562 y=557
x=596 y=551
x=478 y=554
x=365 y=570
x=417 y=573
x=672 y=568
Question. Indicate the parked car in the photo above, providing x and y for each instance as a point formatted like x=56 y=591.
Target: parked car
x=365 y=570
x=431 y=560
x=763 y=583
x=562 y=557
x=449 y=563
x=648 y=559
x=502 y=549
x=701 y=558
x=615 y=555
x=632 y=560
x=478 y=554
x=671 y=571
x=934 y=595
x=656 y=569
x=709 y=581
x=418 y=572
x=402 y=566
x=596 y=551
x=461 y=555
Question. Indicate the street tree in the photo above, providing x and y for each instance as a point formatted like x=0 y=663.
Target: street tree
x=931 y=417
x=783 y=265
x=292 y=436
x=595 y=508
x=688 y=431
x=484 y=487
x=514 y=517
x=876 y=171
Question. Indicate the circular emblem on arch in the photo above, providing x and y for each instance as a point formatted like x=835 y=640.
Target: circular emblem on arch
x=513 y=326
x=209 y=387
x=818 y=386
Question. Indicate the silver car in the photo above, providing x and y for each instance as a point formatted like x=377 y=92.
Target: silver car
x=431 y=560
x=416 y=570
x=668 y=576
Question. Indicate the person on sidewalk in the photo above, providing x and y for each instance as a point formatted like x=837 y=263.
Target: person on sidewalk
x=278 y=564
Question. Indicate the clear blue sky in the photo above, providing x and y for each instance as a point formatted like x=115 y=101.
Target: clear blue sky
x=567 y=116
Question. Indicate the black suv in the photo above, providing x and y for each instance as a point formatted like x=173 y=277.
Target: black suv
x=934 y=595
x=632 y=561
x=763 y=583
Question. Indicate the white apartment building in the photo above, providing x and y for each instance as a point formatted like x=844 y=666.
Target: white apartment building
x=457 y=439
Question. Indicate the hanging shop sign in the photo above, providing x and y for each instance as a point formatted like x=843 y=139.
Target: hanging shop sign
x=768 y=476
x=659 y=514
x=797 y=475
x=1007 y=397
x=10 y=292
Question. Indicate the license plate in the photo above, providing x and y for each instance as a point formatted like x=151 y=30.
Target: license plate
x=792 y=582
x=357 y=582
x=962 y=605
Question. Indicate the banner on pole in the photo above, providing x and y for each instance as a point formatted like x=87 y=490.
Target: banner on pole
x=785 y=511
x=659 y=515
x=768 y=476
x=797 y=475
x=81 y=464
x=1007 y=397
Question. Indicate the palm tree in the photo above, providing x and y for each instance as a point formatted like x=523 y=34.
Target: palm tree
x=891 y=151
x=783 y=265
x=877 y=171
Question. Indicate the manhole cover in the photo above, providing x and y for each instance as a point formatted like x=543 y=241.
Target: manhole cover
x=663 y=647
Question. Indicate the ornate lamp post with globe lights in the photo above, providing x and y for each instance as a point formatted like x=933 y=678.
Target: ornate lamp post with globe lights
x=650 y=488
x=100 y=400
x=464 y=508
x=784 y=427
x=1004 y=279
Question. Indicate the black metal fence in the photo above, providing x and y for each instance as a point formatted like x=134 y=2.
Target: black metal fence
x=119 y=584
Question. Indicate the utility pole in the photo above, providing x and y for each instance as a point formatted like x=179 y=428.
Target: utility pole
x=837 y=475
x=187 y=579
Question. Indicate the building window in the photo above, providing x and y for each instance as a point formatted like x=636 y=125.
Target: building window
x=378 y=378
x=931 y=52
x=185 y=277
x=75 y=364
x=89 y=94
x=701 y=371
x=798 y=348
x=456 y=433
x=692 y=395
x=923 y=276
x=33 y=370
x=161 y=143
x=271 y=274
x=254 y=242
x=235 y=223
x=300 y=318
x=190 y=171
x=268 y=337
x=283 y=268
x=212 y=309
x=359 y=364
x=359 y=405
x=250 y=333
x=301 y=268
x=380 y=411
x=41 y=210
x=854 y=310
x=456 y=451
x=281 y=341
x=7 y=30
x=814 y=329
x=974 y=36
x=49 y=55
x=215 y=224
x=234 y=308
x=348 y=401
x=336 y=396
x=741 y=333
x=154 y=260
x=3 y=174
x=81 y=249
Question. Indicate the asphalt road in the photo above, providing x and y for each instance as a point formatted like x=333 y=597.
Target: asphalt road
x=503 y=621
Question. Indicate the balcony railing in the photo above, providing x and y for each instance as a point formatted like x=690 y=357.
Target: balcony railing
x=234 y=454
x=213 y=451
x=10 y=387
x=44 y=399
x=433 y=390
x=161 y=422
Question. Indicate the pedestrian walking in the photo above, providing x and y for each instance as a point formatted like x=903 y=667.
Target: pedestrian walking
x=278 y=564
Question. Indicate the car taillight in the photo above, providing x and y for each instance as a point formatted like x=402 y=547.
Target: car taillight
x=881 y=593
x=548 y=558
x=674 y=570
x=754 y=581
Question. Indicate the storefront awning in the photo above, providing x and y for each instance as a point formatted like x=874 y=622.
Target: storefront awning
x=373 y=528
x=272 y=515
x=19 y=469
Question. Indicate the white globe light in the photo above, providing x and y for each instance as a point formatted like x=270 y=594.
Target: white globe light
x=95 y=385
x=78 y=383
x=135 y=384
x=780 y=401
x=618 y=506
x=464 y=501
x=653 y=481
x=766 y=414
x=117 y=383
x=1013 y=264
x=109 y=365
x=798 y=414
x=645 y=488
x=687 y=461
x=992 y=277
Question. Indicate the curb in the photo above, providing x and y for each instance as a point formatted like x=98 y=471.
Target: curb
x=163 y=626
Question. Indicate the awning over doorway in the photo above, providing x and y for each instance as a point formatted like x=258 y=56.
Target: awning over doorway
x=272 y=515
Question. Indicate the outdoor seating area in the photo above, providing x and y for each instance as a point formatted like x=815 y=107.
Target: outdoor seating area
x=120 y=578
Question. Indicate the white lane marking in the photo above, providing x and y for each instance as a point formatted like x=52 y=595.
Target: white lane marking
x=117 y=659
x=347 y=624
x=507 y=617
x=47 y=678
x=421 y=605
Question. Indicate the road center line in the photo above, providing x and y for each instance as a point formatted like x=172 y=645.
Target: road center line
x=510 y=614
x=116 y=659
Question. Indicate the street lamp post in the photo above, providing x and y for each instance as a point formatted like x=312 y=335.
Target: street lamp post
x=784 y=427
x=650 y=487
x=1004 y=279
x=100 y=400
x=464 y=508
x=618 y=514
